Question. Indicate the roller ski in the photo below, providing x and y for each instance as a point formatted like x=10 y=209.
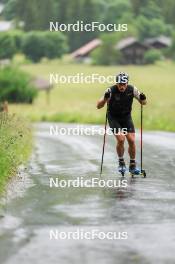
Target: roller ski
x=122 y=167
x=134 y=170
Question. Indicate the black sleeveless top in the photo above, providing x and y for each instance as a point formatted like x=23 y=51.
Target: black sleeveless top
x=120 y=103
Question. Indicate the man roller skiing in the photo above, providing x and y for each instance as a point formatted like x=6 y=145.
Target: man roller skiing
x=119 y=99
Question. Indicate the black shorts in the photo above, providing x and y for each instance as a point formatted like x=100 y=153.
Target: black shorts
x=117 y=124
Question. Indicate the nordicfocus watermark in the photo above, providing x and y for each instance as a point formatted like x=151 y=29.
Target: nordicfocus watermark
x=81 y=78
x=80 y=182
x=81 y=130
x=80 y=26
x=81 y=234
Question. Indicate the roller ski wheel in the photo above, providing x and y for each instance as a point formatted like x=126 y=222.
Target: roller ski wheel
x=143 y=172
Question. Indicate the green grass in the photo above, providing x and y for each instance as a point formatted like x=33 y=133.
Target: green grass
x=77 y=102
x=16 y=144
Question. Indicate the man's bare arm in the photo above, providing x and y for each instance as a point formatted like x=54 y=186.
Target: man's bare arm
x=104 y=99
x=101 y=103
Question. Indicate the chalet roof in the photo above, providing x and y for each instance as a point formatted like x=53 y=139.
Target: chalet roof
x=129 y=41
x=122 y=44
x=161 y=39
x=85 y=49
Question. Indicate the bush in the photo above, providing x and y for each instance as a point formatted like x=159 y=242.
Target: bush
x=55 y=45
x=149 y=28
x=106 y=54
x=152 y=55
x=103 y=56
x=33 y=46
x=16 y=86
x=37 y=45
x=17 y=35
x=16 y=145
x=7 y=46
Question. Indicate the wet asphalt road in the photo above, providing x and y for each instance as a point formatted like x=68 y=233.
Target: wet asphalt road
x=143 y=212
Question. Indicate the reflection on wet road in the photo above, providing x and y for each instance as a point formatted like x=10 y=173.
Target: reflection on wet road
x=145 y=210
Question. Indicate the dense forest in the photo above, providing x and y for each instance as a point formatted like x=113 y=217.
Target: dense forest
x=146 y=18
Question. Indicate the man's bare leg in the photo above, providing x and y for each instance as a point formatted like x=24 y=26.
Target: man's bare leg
x=132 y=153
x=120 y=152
x=132 y=146
x=120 y=145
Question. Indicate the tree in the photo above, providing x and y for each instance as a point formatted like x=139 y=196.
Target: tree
x=137 y=4
x=168 y=10
x=39 y=44
x=63 y=9
x=106 y=54
x=74 y=15
x=35 y=14
x=7 y=46
x=33 y=46
x=150 y=17
x=150 y=28
x=9 y=10
x=151 y=11
x=27 y=12
x=46 y=10
x=55 y=45
x=116 y=10
x=88 y=16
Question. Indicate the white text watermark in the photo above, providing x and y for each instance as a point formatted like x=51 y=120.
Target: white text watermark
x=81 y=78
x=80 y=26
x=80 y=182
x=81 y=234
x=81 y=130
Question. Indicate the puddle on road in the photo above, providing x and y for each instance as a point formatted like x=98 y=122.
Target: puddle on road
x=145 y=209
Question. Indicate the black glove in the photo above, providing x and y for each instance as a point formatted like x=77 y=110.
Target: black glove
x=107 y=94
x=142 y=97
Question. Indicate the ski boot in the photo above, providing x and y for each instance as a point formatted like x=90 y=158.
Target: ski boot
x=122 y=167
x=133 y=169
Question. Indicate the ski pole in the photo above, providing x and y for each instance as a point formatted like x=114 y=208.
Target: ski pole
x=141 y=139
x=143 y=172
x=104 y=141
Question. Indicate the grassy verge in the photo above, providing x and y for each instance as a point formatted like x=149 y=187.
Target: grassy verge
x=77 y=102
x=15 y=145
